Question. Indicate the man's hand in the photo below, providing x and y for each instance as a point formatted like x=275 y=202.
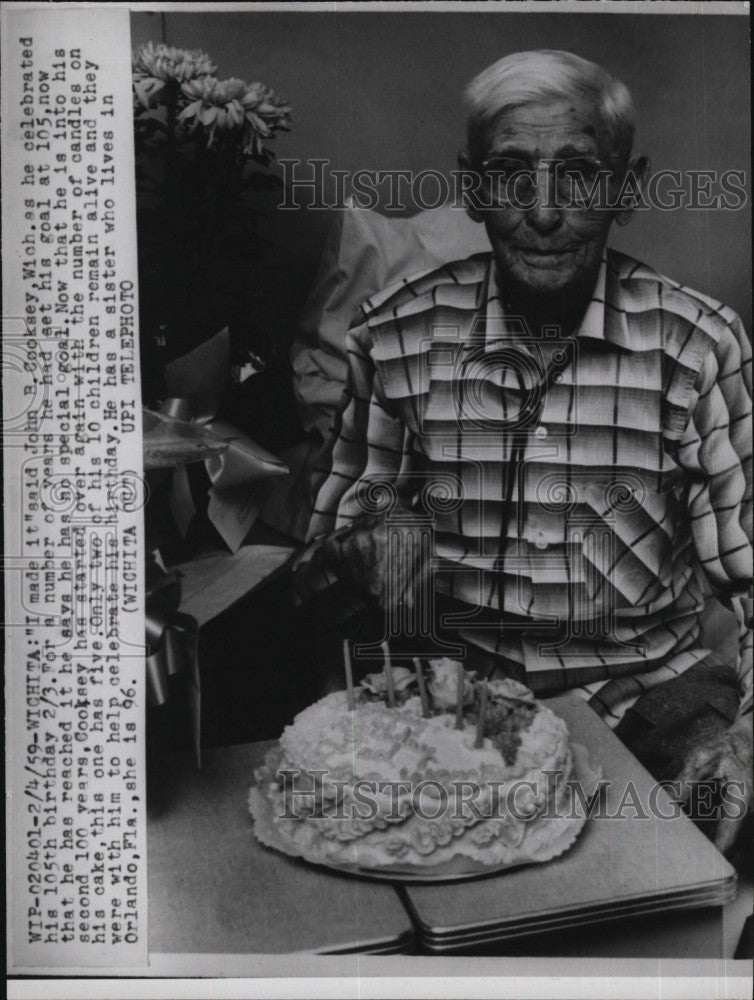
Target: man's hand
x=376 y=561
x=727 y=758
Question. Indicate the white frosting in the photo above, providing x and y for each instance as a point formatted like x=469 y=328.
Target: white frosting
x=374 y=743
x=393 y=744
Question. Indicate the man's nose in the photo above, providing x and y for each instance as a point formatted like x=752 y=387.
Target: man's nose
x=545 y=215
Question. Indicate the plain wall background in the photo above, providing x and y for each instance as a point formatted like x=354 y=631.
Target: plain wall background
x=383 y=91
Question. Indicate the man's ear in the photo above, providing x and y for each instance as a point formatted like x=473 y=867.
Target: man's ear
x=470 y=202
x=633 y=185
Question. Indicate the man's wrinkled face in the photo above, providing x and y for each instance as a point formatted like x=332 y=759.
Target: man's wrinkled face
x=545 y=248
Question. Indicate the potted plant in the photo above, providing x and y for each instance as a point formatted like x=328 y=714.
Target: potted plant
x=202 y=163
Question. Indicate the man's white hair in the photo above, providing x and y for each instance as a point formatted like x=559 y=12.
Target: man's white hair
x=546 y=75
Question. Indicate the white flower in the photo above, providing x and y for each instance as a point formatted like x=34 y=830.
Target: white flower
x=213 y=103
x=443 y=683
x=266 y=114
x=154 y=66
x=230 y=105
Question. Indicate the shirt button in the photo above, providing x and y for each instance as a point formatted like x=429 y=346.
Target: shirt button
x=540 y=432
x=540 y=541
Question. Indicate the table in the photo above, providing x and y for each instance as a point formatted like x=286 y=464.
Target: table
x=214 y=888
x=598 y=898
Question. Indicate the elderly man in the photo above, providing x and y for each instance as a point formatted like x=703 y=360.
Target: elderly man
x=584 y=424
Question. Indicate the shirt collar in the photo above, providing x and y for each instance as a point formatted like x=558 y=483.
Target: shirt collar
x=603 y=320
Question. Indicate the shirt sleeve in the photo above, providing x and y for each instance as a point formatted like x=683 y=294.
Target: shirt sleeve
x=716 y=454
x=368 y=447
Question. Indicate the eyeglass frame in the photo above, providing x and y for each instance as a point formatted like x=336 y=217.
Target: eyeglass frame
x=534 y=169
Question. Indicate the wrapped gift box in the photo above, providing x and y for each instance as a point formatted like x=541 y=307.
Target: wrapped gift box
x=254 y=663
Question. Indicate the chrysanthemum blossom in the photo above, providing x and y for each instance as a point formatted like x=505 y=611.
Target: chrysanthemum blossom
x=230 y=105
x=266 y=113
x=154 y=66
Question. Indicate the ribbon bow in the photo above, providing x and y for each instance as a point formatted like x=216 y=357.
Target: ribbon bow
x=172 y=642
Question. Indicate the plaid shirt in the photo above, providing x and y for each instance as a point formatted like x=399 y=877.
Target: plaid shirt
x=593 y=490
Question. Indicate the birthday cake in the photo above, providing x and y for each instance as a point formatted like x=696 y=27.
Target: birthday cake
x=411 y=771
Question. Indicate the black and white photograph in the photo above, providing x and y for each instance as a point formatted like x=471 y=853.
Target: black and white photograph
x=378 y=499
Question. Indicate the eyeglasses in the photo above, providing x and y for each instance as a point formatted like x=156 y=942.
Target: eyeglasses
x=513 y=181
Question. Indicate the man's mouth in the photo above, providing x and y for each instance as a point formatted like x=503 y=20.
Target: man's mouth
x=545 y=257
